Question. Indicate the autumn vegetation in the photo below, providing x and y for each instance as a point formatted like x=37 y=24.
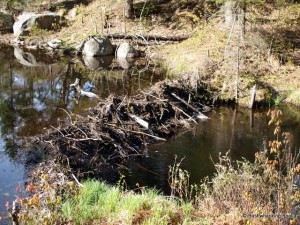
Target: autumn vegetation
x=262 y=50
x=265 y=188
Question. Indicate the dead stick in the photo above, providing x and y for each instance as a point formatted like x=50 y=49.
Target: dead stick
x=121 y=103
x=83 y=139
x=184 y=113
x=139 y=132
x=188 y=105
x=144 y=168
x=77 y=181
x=163 y=100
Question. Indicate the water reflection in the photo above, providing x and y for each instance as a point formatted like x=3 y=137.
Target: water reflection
x=35 y=87
x=99 y=63
x=32 y=58
x=33 y=90
x=239 y=130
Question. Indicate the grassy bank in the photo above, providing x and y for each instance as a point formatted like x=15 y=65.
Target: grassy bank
x=99 y=203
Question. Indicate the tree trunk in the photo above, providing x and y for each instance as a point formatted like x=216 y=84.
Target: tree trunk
x=229 y=13
x=129 y=9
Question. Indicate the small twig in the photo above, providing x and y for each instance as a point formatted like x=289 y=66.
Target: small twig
x=83 y=139
x=190 y=106
x=140 y=166
x=121 y=103
x=57 y=130
x=139 y=132
x=77 y=181
x=162 y=100
x=81 y=131
x=184 y=113
x=67 y=114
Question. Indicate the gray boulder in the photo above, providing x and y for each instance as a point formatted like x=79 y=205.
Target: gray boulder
x=6 y=23
x=98 y=46
x=26 y=21
x=125 y=50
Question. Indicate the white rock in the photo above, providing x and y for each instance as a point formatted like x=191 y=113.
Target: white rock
x=27 y=20
x=125 y=50
x=98 y=46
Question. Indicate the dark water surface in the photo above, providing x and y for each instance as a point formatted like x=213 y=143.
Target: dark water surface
x=34 y=88
x=239 y=130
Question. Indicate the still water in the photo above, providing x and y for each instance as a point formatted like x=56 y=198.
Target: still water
x=240 y=131
x=35 y=87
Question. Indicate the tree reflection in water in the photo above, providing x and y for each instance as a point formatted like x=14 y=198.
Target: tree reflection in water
x=34 y=87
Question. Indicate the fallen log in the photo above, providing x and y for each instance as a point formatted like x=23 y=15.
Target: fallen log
x=150 y=37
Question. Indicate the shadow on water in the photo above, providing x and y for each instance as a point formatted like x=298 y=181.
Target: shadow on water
x=34 y=87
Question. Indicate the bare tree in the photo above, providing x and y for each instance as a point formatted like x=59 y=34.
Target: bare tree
x=128 y=8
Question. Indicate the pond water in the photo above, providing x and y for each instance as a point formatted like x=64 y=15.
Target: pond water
x=35 y=87
x=240 y=130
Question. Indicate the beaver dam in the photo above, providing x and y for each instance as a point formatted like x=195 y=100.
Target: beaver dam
x=96 y=143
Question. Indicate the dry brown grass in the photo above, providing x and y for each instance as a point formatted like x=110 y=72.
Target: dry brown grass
x=106 y=17
x=270 y=56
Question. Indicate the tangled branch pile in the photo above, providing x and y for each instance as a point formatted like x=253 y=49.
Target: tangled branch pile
x=118 y=128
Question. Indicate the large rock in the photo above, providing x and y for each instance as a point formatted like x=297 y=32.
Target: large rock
x=125 y=50
x=98 y=46
x=26 y=21
x=6 y=23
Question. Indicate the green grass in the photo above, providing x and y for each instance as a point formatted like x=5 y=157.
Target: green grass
x=94 y=200
x=97 y=201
